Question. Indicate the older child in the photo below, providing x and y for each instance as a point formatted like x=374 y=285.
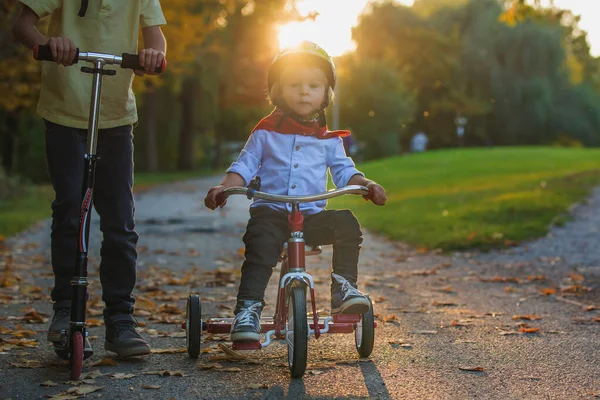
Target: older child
x=291 y=150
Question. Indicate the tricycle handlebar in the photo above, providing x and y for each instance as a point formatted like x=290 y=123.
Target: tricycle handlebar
x=250 y=193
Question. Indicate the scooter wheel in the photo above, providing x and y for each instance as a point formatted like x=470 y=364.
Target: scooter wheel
x=193 y=325
x=76 y=356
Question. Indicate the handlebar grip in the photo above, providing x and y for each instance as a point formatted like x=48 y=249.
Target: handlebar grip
x=220 y=199
x=132 y=61
x=44 y=53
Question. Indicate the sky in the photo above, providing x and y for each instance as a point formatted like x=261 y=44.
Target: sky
x=332 y=28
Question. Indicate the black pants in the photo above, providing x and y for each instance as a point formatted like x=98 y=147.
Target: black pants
x=113 y=199
x=268 y=230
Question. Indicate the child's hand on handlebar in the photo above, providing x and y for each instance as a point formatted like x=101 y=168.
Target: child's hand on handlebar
x=376 y=193
x=150 y=59
x=214 y=197
x=63 y=50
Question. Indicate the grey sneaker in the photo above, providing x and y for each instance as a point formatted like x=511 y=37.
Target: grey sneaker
x=122 y=338
x=346 y=298
x=59 y=329
x=246 y=324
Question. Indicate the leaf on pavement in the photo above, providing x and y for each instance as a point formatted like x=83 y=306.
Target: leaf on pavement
x=106 y=362
x=424 y=272
x=165 y=373
x=172 y=350
x=93 y=374
x=533 y=278
x=48 y=384
x=35 y=317
x=476 y=369
x=531 y=317
x=443 y=304
x=211 y=366
x=400 y=343
x=258 y=386
x=390 y=318
x=577 y=277
x=585 y=321
x=424 y=332
x=591 y=308
x=170 y=309
x=232 y=353
x=151 y=386
x=504 y=279
x=548 y=291
x=446 y=289
x=526 y=329
x=24 y=363
x=94 y=322
x=461 y=322
x=121 y=375
x=231 y=369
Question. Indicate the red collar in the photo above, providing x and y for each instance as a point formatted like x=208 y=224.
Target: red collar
x=279 y=122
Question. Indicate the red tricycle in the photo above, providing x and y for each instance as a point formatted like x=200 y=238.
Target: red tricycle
x=290 y=321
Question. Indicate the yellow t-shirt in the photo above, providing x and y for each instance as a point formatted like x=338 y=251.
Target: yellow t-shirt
x=109 y=26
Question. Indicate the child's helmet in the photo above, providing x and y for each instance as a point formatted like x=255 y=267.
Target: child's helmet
x=304 y=50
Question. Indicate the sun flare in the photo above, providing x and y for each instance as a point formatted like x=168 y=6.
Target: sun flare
x=331 y=29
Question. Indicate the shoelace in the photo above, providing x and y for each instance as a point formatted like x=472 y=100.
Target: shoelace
x=349 y=290
x=121 y=327
x=61 y=313
x=245 y=316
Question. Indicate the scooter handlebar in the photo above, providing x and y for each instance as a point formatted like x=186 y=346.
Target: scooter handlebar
x=126 y=60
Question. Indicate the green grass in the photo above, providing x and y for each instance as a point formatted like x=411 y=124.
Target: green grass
x=476 y=198
x=34 y=205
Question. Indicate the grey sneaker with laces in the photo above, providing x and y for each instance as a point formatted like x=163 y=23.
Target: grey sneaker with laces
x=246 y=324
x=346 y=298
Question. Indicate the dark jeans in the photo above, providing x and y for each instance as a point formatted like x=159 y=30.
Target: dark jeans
x=113 y=200
x=267 y=231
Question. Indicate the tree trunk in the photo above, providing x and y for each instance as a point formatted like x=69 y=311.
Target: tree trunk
x=8 y=142
x=188 y=98
x=151 y=99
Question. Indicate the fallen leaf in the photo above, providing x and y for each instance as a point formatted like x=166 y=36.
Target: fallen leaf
x=400 y=343
x=93 y=375
x=105 y=361
x=170 y=309
x=232 y=369
x=121 y=375
x=258 y=386
x=211 y=366
x=231 y=353
x=446 y=289
x=526 y=329
x=48 y=384
x=94 y=322
x=424 y=332
x=526 y=317
x=443 y=304
x=24 y=363
x=424 y=272
x=533 y=278
x=390 y=318
x=460 y=323
x=172 y=350
x=151 y=386
x=500 y=279
x=577 y=277
x=165 y=373
x=548 y=291
x=477 y=369
x=591 y=308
